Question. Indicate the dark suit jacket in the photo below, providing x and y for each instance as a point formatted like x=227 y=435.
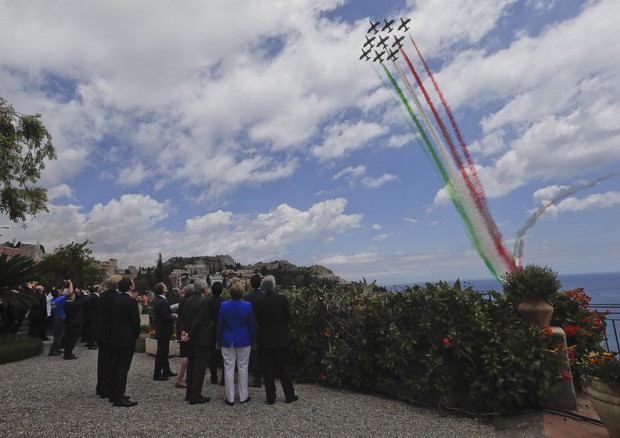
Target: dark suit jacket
x=272 y=315
x=92 y=308
x=214 y=303
x=125 y=321
x=197 y=320
x=253 y=296
x=74 y=315
x=163 y=320
x=104 y=325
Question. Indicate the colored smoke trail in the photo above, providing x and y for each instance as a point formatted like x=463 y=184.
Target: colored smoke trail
x=458 y=204
x=472 y=168
x=507 y=261
x=531 y=221
x=477 y=230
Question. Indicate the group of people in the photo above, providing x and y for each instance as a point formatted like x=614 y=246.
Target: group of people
x=243 y=333
x=248 y=333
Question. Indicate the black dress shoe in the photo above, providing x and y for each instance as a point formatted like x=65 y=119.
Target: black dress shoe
x=292 y=399
x=200 y=400
x=246 y=400
x=92 y=347
x=160 y=378
x=229 y=403
x=170 y=374
x=125 y=403
x=73 y=356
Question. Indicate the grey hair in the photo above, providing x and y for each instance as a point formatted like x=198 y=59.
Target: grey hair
x=200 y=285
x=189 y=289
x=269 y=283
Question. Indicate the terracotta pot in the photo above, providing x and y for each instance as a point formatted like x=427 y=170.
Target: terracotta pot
x=536 y=310
x=606 y=402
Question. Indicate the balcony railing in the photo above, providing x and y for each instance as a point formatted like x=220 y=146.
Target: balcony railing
x=611 y=342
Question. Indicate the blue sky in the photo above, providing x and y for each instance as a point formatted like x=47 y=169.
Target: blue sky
x=252 y=129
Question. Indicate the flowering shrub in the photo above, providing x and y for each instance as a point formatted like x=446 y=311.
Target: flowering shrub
x=584 y=328
x=604 y=366
x=145 y=301
x=437 y=343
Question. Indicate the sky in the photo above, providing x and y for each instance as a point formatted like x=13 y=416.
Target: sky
x=253 y=129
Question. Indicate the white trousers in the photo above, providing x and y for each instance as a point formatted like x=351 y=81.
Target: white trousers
x=240 y=356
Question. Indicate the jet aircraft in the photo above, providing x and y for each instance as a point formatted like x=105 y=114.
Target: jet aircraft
x=382 y=41
x=388 y=25
x=373 y=27
x=369 y=41
x=364 y=54
x=378 y=56
x=392 y=56
x=397 y=41
x=403 y=24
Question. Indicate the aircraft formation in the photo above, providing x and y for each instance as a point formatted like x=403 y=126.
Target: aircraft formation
x=380 y=37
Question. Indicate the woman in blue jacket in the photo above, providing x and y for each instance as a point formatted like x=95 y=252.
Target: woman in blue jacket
x=236 y=335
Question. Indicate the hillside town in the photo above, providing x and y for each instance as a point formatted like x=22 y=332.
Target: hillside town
x=187 y=270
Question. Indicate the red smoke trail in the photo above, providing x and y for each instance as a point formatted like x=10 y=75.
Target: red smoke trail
x=470 y=163
x=478 y=199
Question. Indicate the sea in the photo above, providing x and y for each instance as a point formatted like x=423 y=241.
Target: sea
x=602 y=287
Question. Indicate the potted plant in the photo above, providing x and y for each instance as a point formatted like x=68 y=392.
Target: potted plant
x=601 y=372
x=534 y=289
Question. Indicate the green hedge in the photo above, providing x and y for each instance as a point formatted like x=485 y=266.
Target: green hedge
x=437 y=344
x=17 y=348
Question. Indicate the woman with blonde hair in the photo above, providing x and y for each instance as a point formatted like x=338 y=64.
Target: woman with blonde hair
x=235 y=336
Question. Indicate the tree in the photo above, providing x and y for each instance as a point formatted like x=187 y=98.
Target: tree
x=73 y=261
x=25 y=144
x=159 y=270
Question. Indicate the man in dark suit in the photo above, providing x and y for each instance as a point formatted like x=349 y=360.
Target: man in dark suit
x=198 y=329
x=37 y=314
x=91 y=312
x=103 y=329
x=215 y=357
x=164 y=327
x=125 y=331
x=272 y=315
x=251 y=297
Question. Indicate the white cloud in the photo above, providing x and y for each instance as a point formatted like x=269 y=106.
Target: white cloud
x=374 y=183
x=60 y=191
x=344 y=138
x=376 y=227
x=354 y=172
x=129 y=229
x=412 y=220
x=382 y=236
x=591 y=202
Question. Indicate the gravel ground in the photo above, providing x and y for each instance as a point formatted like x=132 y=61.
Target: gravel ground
x=49 y=396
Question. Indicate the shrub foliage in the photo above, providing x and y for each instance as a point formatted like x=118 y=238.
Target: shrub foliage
x=437 y=344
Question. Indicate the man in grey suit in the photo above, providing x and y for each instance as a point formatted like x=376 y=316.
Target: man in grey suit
x=197 y=331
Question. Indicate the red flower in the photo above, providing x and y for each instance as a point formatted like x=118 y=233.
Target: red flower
x=566 y=376
x=327 y=333
x=570 y=330
x=546 y=332
x=322 y=378
x=446 y=342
